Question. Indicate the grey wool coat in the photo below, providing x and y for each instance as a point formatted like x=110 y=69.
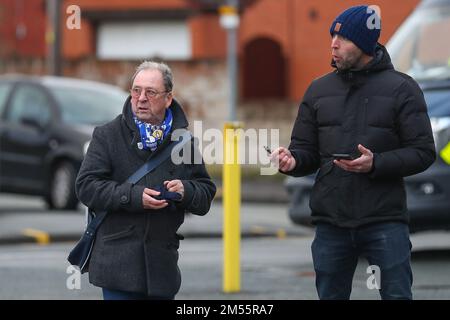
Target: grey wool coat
x=136 y=249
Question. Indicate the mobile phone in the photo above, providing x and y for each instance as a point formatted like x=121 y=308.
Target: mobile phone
x=268 y=150
x=343 y=156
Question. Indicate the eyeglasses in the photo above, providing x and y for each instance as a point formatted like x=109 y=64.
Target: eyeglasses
x=149 y=93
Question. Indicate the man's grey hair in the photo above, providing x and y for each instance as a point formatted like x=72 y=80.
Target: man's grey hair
x=162 y=67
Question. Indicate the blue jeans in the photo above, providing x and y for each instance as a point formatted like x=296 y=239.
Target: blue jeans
x=125 y=295
x=386 y=245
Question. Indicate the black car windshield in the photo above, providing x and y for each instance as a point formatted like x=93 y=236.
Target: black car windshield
x=80 y=105
x=421 y=46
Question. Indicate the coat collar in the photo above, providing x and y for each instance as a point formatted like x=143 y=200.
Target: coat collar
x=179 y=118
x=381 y=61
x=179 y=121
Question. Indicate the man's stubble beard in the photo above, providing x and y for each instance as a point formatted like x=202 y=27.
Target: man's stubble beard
x=351 y=62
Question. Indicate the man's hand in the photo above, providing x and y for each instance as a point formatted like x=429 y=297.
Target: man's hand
x=361 y=165
x=175 y=186
x=151 y=203
x=282 y=156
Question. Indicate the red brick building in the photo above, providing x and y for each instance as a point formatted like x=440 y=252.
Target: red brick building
x=22 y=28
x=283 y=45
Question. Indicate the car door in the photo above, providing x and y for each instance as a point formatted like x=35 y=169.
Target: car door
x=5 y=90
x=25 y=139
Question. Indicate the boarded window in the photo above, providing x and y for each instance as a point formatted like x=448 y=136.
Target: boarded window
x=168 y=40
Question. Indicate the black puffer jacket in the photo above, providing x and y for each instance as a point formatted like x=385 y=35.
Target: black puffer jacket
x=136 y=249
x=380 y=108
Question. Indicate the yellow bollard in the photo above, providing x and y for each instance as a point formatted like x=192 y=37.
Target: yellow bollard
x=231 y=213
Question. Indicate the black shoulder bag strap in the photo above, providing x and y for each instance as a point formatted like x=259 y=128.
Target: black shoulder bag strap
x=79 y=256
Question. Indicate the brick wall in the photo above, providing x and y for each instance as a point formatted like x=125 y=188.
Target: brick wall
x=199 y=85
x=22 y=28
x=300 y=27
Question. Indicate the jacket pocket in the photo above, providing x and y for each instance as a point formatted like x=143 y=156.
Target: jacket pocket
x=383 y=197
x=323 y=171
x=118 y=235
x=389 y=199
x=323 y=196
x=322 y=201
x=162 y=270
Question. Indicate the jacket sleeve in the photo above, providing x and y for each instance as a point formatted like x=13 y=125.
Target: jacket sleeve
x=199 y=190
x=417 y=150
x=304 y=140
x=94 y=186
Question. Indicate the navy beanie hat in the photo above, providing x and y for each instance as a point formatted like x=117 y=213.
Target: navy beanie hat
x=359 y=24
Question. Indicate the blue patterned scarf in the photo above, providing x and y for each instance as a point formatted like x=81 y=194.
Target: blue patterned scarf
x=152 y=135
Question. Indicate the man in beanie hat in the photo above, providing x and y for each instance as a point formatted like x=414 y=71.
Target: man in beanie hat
x=378 y=117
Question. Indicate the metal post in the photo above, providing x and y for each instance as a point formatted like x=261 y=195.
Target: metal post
x=229 y=19
x=53 y=37
x=232 y=63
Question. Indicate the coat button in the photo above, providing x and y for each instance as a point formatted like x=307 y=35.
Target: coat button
x=124 y=199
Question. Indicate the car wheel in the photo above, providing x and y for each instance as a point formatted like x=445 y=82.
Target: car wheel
x=62 y=187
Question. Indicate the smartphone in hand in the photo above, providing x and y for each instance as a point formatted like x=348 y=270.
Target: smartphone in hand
x=343 y=156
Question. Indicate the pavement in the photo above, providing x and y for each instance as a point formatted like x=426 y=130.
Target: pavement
x=263 y=214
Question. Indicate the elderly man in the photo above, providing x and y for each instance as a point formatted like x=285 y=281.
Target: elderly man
x=365 y=125
x=135 y=253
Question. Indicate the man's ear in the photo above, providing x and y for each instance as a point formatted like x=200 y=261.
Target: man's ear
x=169 y=98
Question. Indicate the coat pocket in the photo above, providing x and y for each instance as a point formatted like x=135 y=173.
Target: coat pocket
x=323 y=200
x=385 y=197
x=118 y=235
x=324 y=171
x=162 y=269
x=323 y=196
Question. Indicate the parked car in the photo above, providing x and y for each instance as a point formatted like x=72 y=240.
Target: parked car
x=46 y=124
x=420 y=48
